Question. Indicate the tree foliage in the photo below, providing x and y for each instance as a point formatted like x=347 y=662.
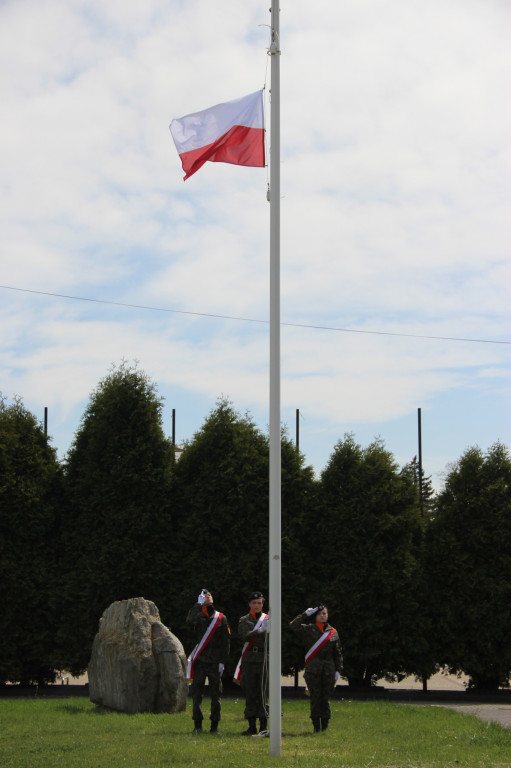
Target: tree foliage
x=221 y=487
x=469 y=566
x=221 y=492
x=30 y=494
x=300 y=501
x=368 y=535
x=118 y=521
x=423 y=485
x=407 y=591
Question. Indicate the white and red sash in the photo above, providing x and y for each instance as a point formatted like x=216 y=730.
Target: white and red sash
x=208 y=634
x=248 y=645
x=318 y=645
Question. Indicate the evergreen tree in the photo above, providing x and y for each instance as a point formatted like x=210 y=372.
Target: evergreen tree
x=30 y=494
x=469 y=567
x=118 y=524
x=426 y=494
x=368 y=535
x=421 y=660
x=221 y=492
x=221 y=486
x=299 y=517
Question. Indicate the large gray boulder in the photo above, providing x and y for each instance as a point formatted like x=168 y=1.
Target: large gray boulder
x=137 y=664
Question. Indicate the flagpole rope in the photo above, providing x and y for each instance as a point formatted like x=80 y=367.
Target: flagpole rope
x=265 y=90
x=264 y=677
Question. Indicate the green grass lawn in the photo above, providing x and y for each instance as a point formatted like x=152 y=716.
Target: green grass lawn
x=47 y=733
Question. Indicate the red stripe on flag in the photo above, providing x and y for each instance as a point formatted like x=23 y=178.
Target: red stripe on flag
x=239 y=146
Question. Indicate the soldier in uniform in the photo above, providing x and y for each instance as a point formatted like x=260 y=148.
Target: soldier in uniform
x=208 y=658
x=322 y=661
x=253 y=666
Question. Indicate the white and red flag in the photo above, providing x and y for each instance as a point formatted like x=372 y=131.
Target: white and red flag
x=232 y=132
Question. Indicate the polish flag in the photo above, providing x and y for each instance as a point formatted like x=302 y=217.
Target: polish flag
x=232 y=132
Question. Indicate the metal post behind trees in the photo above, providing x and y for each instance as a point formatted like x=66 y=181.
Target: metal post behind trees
x=45 y=421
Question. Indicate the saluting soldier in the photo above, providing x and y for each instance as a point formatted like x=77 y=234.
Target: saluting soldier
x=208 y=658
x=322 y=661
x=252 y=669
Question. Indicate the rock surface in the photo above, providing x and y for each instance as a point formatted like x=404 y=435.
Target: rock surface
x=137 y=664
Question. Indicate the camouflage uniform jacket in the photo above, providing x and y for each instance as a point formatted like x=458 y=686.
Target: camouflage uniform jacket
x=217 y=650
x=246 y=631
x=309 y=634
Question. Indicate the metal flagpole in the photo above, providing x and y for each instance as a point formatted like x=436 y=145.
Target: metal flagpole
x=275 y=455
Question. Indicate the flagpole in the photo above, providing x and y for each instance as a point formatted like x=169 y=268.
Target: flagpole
x=275 y=447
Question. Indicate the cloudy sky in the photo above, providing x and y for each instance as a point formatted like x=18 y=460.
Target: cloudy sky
x=395 y=242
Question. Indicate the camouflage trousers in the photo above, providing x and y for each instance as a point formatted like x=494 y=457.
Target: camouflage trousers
x=203 y=670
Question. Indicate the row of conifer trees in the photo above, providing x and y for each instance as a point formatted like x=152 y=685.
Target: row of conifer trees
x=412 y=587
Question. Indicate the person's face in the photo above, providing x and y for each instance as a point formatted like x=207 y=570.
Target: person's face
x=322 y=615
x=208 y=598
x=256 y=605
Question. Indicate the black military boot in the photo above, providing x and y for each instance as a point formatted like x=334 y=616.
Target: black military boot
x=252 y=728
x=315 y=723
x=197 y=726
x=324 y=724
x=263 y=724
x=214 y=726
